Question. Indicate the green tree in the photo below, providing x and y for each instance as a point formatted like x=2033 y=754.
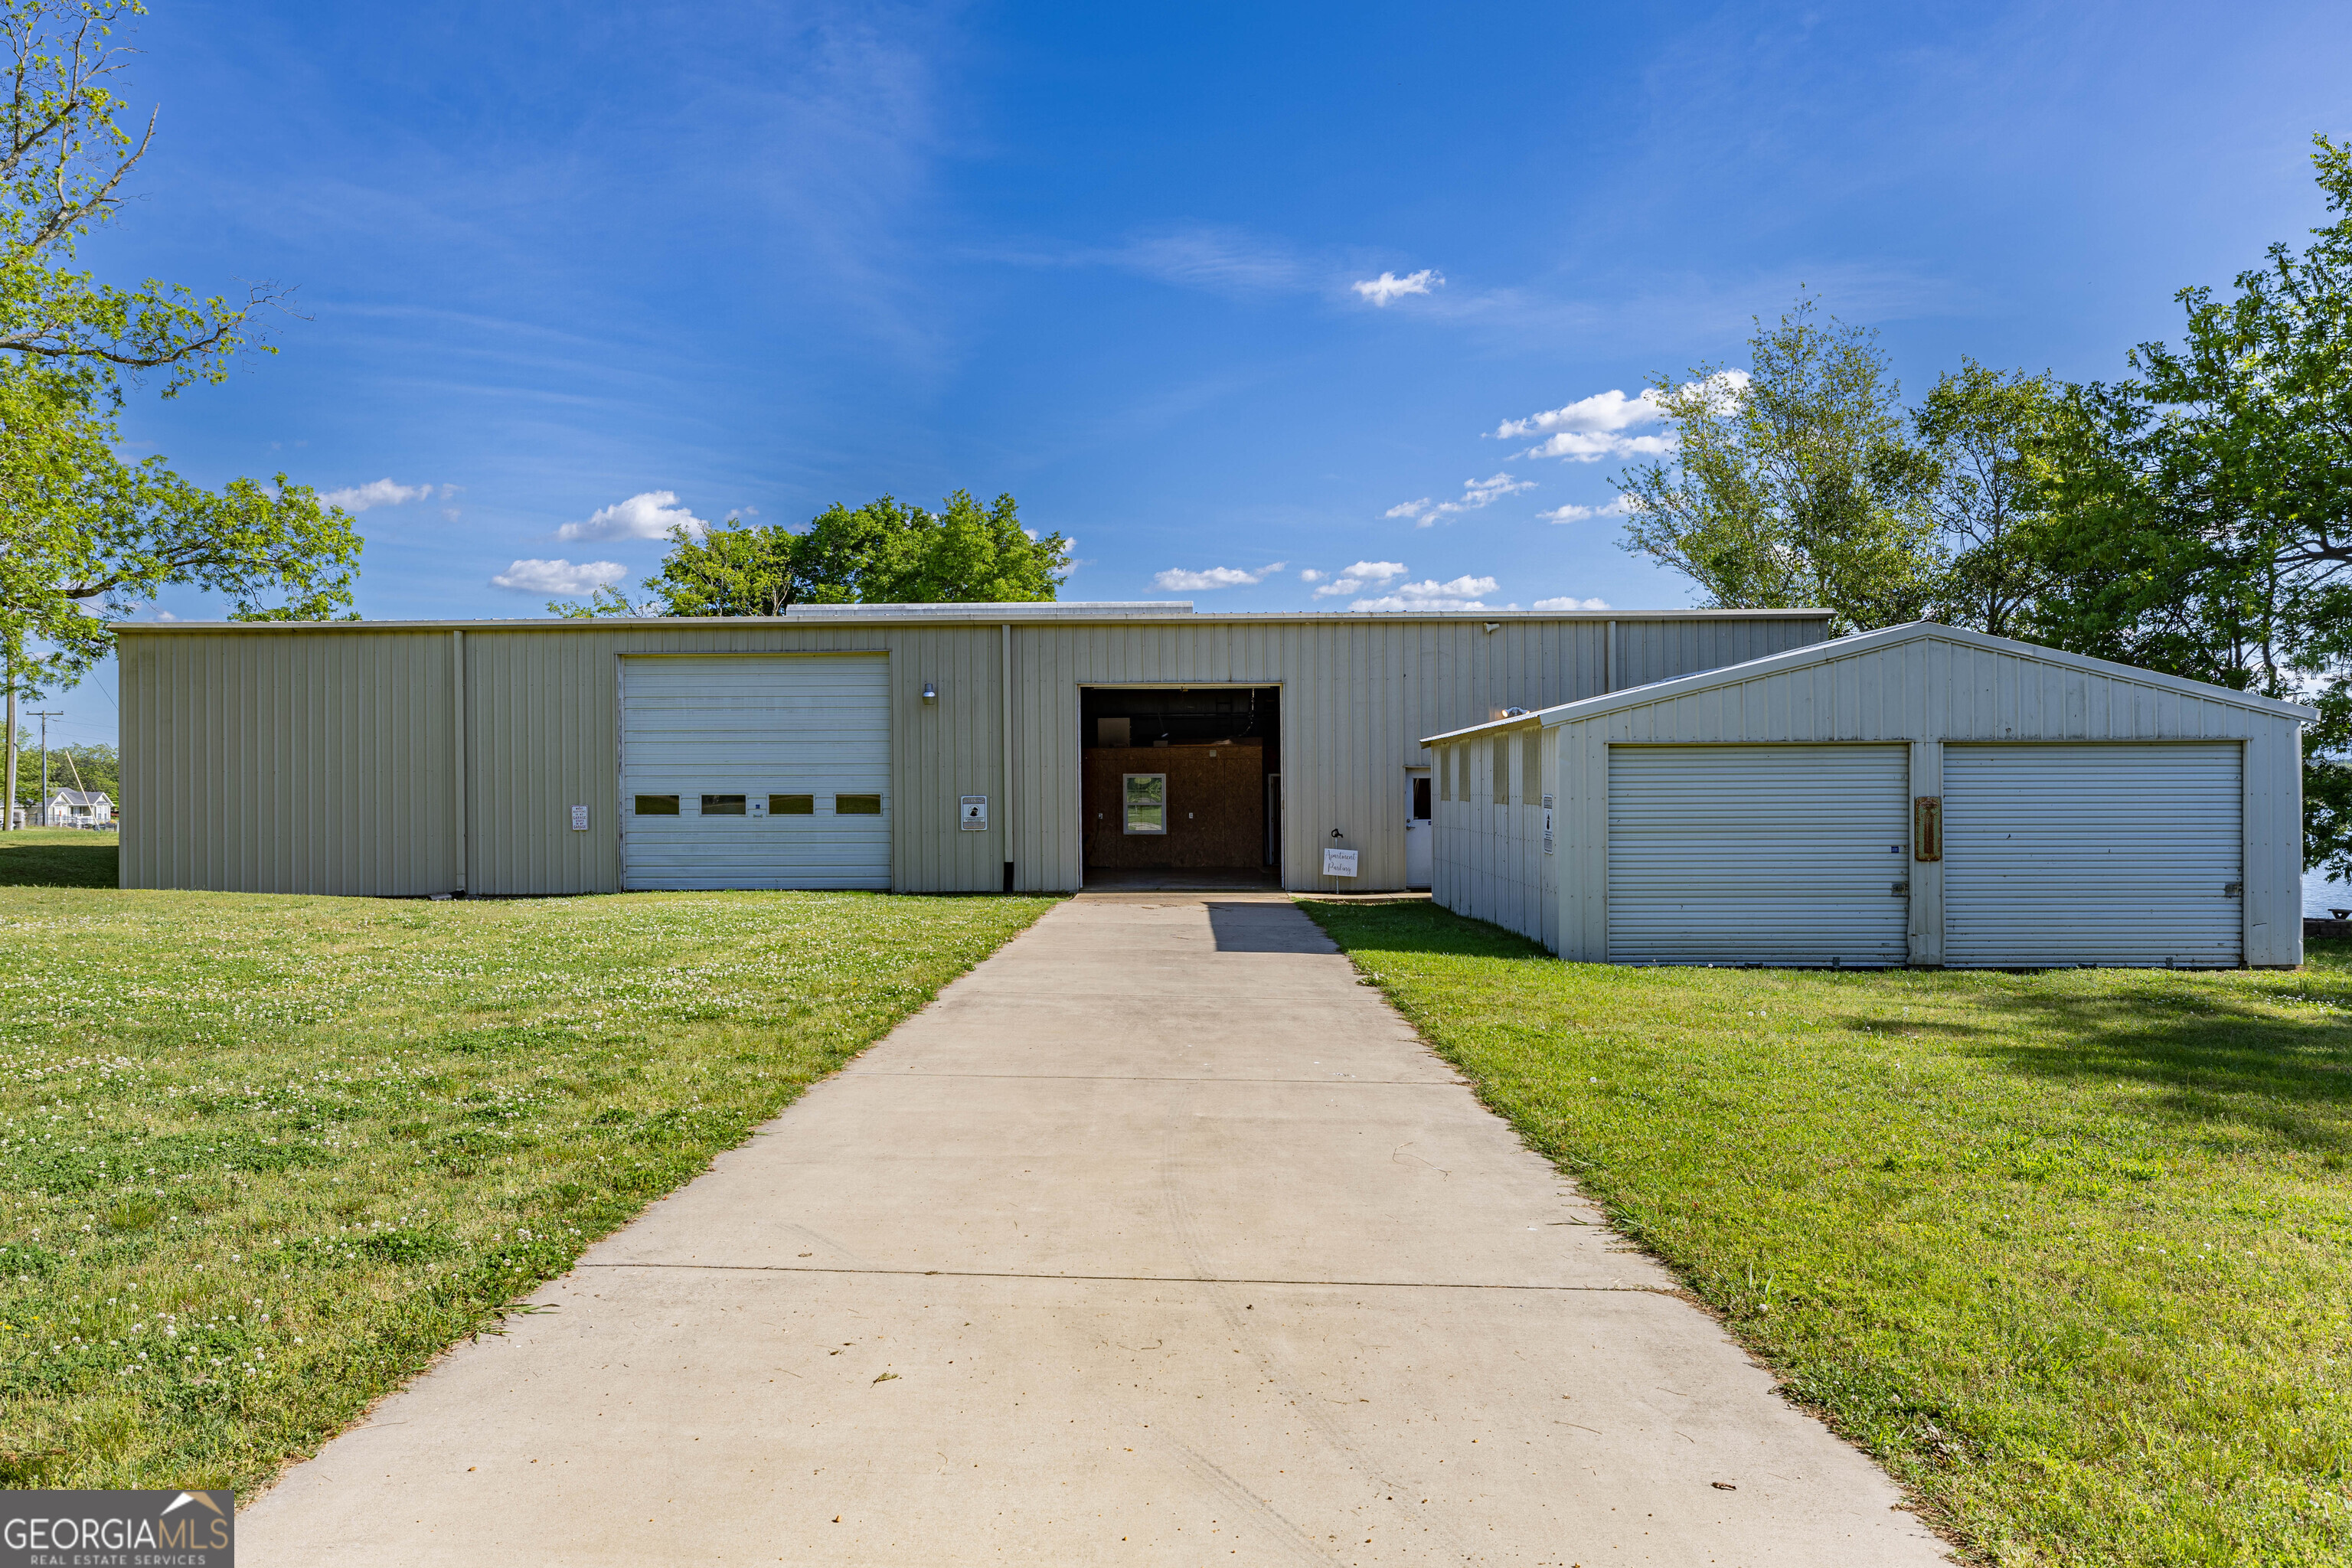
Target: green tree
x=82 y=532
x=885 y=551
x=1792 y=483
x=2200 y=514
x=1984 y=433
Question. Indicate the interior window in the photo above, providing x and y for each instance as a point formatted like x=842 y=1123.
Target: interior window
x=722 y=806
x=657 y=806
x=791 y=805
x=857 y=805
x=1144 y=803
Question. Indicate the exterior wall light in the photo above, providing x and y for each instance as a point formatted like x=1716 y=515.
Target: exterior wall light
x=931 y=692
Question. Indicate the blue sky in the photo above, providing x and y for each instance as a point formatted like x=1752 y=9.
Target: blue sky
x=568 y=272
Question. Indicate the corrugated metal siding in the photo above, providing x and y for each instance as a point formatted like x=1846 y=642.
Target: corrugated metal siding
x=278 y=764
x=1356 y=697
x=2111 y=854
x=276 y=760
x=755 y=725
x=1781 y=855
x=1928 y=691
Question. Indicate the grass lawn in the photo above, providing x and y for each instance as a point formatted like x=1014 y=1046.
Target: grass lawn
x=2071 y=1253
x=57 y=858
x=260 y=1158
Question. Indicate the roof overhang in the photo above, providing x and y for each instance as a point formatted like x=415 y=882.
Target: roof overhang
x=1854 y=647
x=1160 y=613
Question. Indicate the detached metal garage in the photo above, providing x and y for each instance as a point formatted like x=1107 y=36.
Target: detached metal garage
x=1915 y=796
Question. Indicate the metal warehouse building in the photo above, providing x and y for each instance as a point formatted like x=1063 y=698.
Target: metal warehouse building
x=1913 y=795
x=946 y=748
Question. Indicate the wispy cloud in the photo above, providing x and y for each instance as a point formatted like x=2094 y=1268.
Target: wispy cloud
x=1388 y=288
x=1218 y=259
x=1572 y=512
x=1355 y=579
x=1475 y=493
x=650 y=514
x=559 y=577
x=376 y=492
x=1461 y=593
x=1571 y=603
x=1176 y=580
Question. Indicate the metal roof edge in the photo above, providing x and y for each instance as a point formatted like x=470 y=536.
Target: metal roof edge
x=1861 y=643
x=973 y=617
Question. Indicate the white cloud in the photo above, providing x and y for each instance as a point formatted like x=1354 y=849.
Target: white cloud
x=1475 y=493
x=1571 y=603
x=1310 y=575
x=376 y=492
x=1595 y=427
x=559 y=577
x=1355 y=578
x=1575 y=513
x=1178 y=580
x=650 y=514
x=165 y=615
x=1461 y=593
x=1388 y=286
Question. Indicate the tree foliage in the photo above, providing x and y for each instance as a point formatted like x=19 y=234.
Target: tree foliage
x=1792 y=484
x=80 y=529
x=2200 y=514
x=886 y=552
x=1981 y=435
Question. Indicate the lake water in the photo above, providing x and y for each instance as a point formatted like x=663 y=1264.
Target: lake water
x=2319 y=894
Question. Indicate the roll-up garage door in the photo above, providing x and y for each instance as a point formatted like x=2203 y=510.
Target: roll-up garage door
x=2092 y=854
x=1789 y=855
x=755 y=771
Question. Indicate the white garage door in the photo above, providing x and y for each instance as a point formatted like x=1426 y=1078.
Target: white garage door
x=2122 y=854
x=758 y=772
x=1785 y=855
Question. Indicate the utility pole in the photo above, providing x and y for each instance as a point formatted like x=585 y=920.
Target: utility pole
x=44 y=716
x=9 y=811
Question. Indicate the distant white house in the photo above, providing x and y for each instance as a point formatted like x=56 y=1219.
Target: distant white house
x=80 y=808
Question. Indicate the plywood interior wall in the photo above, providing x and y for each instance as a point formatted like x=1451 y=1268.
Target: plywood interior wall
x=1216 y=806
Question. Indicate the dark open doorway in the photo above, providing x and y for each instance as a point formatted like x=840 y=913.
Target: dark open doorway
x=1182 y=786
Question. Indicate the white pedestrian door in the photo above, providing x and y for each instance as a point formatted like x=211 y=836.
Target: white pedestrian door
x=755 y=771
x=2092 y=854
x=1775 y=855
x=1419 y=847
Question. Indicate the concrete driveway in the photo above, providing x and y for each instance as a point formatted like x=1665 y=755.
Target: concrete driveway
x=1156 y=1239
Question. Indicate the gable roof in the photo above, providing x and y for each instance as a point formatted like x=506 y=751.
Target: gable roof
x=82 y=797
x=1862 y=643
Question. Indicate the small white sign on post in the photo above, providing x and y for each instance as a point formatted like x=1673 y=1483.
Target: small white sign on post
x=1340 y=862
x=972 y=814
x=579 y=820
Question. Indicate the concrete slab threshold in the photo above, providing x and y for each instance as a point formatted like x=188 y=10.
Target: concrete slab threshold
x=1156 y=1239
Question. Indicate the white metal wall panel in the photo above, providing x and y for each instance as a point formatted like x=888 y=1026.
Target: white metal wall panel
x=1778 y=854
x=811 y=724
x=2092 y=854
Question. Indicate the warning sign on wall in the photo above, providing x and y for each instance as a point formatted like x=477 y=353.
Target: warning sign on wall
x=973 y=814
